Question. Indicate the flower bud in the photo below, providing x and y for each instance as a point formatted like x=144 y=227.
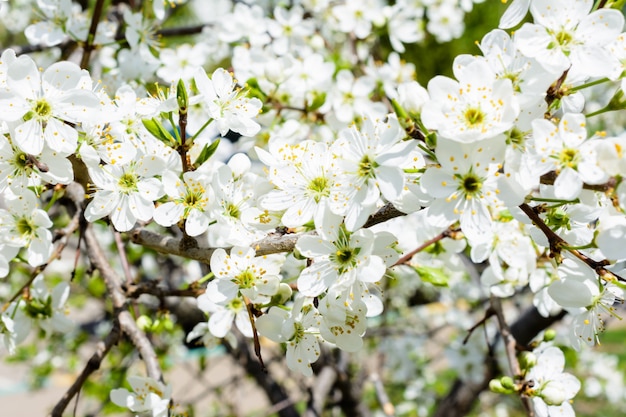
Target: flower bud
x=507 y=383
x=549 y=335
x=527 y=360
x=496 y=386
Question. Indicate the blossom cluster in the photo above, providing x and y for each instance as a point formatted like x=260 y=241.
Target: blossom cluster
x=510 y=162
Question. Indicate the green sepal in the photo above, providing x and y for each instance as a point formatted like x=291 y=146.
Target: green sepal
x=182 y=97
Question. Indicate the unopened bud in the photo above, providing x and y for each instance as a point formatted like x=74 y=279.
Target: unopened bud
x=527 y=360
x=507 y=383
x=549 y=335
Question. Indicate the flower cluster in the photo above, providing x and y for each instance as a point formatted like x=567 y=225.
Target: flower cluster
x=512 y=163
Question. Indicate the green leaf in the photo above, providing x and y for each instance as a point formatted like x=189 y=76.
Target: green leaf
x=319 y=98
x=156 y=128
x=435 y=276
x=207 y=152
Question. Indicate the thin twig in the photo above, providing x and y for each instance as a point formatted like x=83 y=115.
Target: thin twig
x=557 y=244
x=407 y=257
x=92 y=365
x=91 y=36
x=510 y=347
x=121 y=250
x=381 y=394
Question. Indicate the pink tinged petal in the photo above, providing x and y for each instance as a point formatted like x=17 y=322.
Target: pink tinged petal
x=571 y=293
x=168 y=214
x=568 y=184
x=197 y=223
x=23 y=78
x=514 y=14
x=29 y=137
x=221 y=322
x=60 y=137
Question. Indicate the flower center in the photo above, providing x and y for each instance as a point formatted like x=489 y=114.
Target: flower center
x=367 y=167
x=38 y=309
x=128 y=182
x=563 y=38
x=246 y=279
x=236 y=304
x=41 y=111
x=569 y=158
x=319 y=188
x=25 y=227
x=557 y=219
x=474 y=116
x=470 y=185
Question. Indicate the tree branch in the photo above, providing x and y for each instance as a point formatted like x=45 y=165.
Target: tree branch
x=91 y=36
x=275 y=242
x=92 y=365
x=463 y=394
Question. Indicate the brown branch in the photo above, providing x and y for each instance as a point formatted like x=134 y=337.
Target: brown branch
x=92 y=365
x=118 y=297
x=550 y=178
x=407 y=257
x=273 y=243
x=510 y=347
x=91 y=36
x=557 y=244
x=275 y=392
x=463 y=394
x=381 y=394
x=151 y=287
